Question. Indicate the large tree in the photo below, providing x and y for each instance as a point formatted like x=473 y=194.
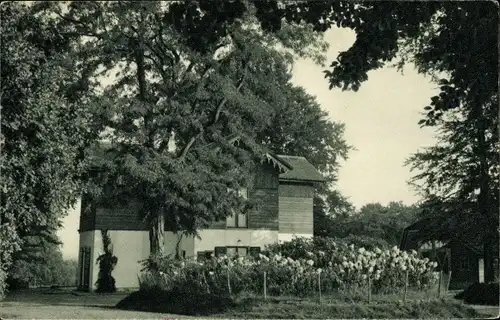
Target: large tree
x=374 y=221
x=45 y=126
x=460 y=175
x=455 y=42
x=172 y=90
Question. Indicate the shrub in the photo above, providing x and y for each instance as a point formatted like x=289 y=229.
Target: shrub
x=481 y=293
x=107 y=262
x=177 y=301
x=293 y=268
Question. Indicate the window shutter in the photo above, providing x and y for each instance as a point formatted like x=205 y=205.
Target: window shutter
x=220 y=251
x=254 y=251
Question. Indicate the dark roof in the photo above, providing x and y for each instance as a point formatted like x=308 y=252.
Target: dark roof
x=292 y=168
x=302 y=170
x=420 y=234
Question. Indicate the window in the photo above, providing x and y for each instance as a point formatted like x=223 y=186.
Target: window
x=238 y=220
x=237 y=251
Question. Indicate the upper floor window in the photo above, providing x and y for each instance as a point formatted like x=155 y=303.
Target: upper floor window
x=238 y=220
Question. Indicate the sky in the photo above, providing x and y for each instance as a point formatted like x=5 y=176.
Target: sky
x=381 y=121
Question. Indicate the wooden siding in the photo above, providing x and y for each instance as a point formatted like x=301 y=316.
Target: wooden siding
x=296 y=208
x=87 y=215
x=296 y=215
x=266 y=213
x=296 y=190
x=264 y=191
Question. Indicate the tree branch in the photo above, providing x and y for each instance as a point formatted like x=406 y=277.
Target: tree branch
x=215 y=120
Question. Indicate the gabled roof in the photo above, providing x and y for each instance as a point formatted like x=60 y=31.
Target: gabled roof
x=302 y=170
x=419 y=234
x=291 y=168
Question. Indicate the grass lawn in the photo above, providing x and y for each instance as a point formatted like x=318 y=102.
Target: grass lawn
x=46 y=304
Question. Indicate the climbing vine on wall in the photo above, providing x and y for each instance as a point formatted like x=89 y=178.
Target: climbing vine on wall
x=107 y=262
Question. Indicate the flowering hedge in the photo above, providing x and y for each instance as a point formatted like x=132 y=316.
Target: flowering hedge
x=337 y=266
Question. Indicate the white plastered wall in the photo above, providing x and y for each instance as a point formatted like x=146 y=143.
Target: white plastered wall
x=284 y=237
x=87 y=240
x=130 y=247
x=211 y=238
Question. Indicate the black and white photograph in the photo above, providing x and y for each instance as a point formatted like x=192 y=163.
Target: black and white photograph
x=249 y=159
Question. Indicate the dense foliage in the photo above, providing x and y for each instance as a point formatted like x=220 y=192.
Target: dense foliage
x=46 y=126
x=167 y=94
x=481 y=293
x=373 y=223
x=46 y=267
x=294 y=269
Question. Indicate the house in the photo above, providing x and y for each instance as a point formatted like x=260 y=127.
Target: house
x=462 y=259
x=284 y=185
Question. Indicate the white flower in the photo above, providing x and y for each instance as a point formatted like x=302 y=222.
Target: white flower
x=310 y=262
x=211 y=273
x=321 y=253
x=161 y=273
x=361 y=250
x=370 y=270
x=345 y=264
x=378 y=251
x=309 y=254
x=403 y=267
x=319 y=270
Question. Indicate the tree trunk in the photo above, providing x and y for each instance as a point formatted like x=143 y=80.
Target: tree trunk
x=483 y=200
x=178 y=246
x=157 y=233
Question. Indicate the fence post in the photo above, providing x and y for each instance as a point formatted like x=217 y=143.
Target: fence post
x=265 y=285
x=369 y=289
x=319 y=285
x=439 y=283
x=406 y=286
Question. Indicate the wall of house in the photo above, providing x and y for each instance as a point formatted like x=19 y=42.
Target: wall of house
x=87 y=215
x=211 y=238
x=284 y=237
x=87 y=241
x=263 y=191
x=124 y=217
x=130 y=247
x=186 y=244
x=295 y=210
